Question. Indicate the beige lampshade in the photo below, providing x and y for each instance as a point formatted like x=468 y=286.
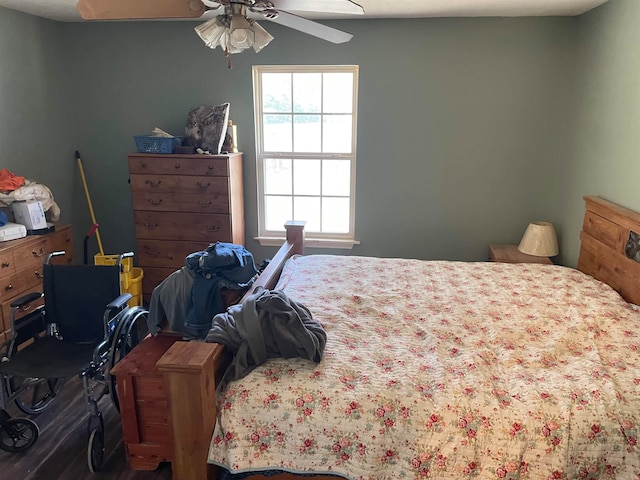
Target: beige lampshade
x=539 y=239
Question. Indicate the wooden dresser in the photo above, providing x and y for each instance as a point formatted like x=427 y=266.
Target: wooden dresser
x=181 y=204
x=21 y=269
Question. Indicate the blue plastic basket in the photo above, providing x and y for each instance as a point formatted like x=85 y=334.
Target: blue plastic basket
x=149 y=144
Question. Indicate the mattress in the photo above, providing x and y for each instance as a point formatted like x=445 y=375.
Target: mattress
x=444 y=370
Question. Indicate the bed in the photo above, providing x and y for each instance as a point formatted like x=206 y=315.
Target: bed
x=433 y=370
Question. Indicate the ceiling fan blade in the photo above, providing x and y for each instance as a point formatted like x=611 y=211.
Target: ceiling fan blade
x=324 y=6
x=310 y=27
x=139 y=9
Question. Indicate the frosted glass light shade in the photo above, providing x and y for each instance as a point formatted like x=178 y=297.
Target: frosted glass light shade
x=540 y=240
x=234 y=34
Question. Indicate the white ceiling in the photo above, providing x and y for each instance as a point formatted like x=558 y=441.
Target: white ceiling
x=65 y=10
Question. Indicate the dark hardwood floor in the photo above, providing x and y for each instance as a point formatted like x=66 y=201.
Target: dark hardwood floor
x=61 y=449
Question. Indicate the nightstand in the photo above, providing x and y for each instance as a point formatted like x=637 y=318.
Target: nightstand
x=511 y=254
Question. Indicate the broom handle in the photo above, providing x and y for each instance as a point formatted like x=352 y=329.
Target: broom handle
x=86 y=192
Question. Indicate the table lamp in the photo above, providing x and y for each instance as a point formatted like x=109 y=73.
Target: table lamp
x=540 y=240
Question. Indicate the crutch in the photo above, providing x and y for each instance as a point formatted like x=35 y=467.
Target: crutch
x=86 y=191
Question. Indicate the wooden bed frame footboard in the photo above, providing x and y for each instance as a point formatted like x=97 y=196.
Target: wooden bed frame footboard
x=191 y=370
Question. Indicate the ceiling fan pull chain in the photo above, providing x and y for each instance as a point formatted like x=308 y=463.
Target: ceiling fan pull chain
x=226 y=54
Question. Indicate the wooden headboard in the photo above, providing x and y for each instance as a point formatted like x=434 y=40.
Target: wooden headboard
x=605 y=246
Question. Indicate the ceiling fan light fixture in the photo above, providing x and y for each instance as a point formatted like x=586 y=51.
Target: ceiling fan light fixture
x=233 y=34
x=213 y=33
x=262 y=38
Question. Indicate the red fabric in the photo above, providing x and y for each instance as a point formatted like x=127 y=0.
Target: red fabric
x=9 y=181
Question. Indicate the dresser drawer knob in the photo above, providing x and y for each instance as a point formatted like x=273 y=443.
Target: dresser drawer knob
x=5 y=264
x=202 y=203
x=155 y=202
x=177 y=166
x=213 y=228
x=153 y=183
x=8 y=287
x=202 y=186
x=37 y=253
x=151 y=226
x=144 y=165
x=210 y=167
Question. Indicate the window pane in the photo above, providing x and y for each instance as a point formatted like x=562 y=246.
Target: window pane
x=277 y=210
x=338 y=93
x=277 y=176
x=308 y=208
x=276 y=88
x=336 y=135
x=306 y=177
x=307 y=133
x=335 y=215
x=307 y=92
x=336 y=177
x=277 y=133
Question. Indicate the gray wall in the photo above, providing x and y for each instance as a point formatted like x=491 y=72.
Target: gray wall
x=467 y=127
x=36 y=129
x=605 y=154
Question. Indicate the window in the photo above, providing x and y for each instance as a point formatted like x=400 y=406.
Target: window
x=305 y=119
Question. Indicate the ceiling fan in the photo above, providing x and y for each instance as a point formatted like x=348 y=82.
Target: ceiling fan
x=233 y=26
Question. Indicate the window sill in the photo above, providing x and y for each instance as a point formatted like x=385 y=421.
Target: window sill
x=310 y=242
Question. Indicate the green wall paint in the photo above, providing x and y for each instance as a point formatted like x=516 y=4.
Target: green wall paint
x=605 y=147
x=468 y=128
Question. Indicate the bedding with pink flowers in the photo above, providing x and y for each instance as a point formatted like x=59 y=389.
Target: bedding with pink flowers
x=445 y=370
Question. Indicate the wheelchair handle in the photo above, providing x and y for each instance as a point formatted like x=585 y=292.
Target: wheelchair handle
x=53 y=254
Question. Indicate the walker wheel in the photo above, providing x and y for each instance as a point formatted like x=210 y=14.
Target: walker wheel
x=18 y=435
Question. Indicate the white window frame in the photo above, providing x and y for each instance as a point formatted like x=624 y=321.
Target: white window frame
x=313 y=239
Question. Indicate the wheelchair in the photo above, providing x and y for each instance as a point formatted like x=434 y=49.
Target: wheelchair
x=84 y=328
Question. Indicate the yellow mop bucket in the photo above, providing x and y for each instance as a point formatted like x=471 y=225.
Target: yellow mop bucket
x=130 y=276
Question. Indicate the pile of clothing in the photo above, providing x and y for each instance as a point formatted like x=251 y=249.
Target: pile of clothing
x=14 y=188
x=268 y=324
x=190 y=297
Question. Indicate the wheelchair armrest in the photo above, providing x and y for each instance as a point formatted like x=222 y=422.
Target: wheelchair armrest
x=112 y=311
x=120 y=302
x=26 y=299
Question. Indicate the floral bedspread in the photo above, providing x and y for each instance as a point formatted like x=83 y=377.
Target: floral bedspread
x=445 y=370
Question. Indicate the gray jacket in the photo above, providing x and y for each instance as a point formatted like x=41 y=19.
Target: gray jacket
x=267 y=325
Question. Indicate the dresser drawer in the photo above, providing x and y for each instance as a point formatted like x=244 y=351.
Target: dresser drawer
x=155 y=201
x=24 y=310
x=7 y=264
x=166 y=253
x=205 y=165
x=153 y=276
x=10 y=286
x=61 y=240
x=33 y=256
x=182 y=226
x=154 y=183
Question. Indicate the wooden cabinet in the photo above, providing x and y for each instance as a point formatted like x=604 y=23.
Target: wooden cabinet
x=21 y=263
x=511 y=254
x=144 y=411
x=181 y=204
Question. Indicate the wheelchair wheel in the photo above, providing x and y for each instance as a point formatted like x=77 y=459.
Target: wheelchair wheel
x=95 y=450
x=130 y=331
x=33 y=395
x=18 y=435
